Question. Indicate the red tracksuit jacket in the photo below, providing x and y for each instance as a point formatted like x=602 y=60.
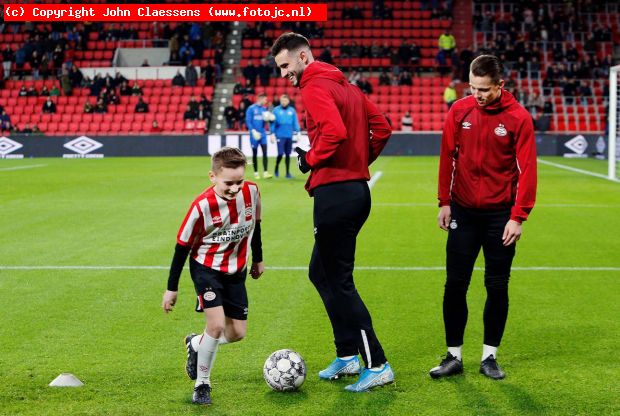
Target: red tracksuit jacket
x=347 y=132
x=488 y=157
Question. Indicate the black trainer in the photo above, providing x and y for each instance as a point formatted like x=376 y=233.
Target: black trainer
x=491 y=369
x=191 y=367
x=449 y=366
x=202 y=394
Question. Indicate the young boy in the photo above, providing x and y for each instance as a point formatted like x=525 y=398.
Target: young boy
x=222 y=224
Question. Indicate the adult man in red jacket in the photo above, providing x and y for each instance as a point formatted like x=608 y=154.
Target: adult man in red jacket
x=487 y=188
x=347 y=132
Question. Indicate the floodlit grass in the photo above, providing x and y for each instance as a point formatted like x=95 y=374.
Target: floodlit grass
x=106 y=325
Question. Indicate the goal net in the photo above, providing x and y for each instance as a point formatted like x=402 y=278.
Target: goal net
x=613 y=124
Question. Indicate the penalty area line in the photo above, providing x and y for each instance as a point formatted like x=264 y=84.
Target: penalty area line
x=584 y=172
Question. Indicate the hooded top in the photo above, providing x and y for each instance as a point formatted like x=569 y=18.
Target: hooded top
x=488 y=156
x=347 y=132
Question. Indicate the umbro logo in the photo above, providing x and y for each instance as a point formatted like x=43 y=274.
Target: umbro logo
x=83 y=146
x=8 y=146
x=466 y=125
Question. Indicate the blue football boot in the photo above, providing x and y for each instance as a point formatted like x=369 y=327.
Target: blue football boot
x=372 y=378
x=339 y=368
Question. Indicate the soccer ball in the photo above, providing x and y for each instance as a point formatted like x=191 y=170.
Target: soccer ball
x=284 y=370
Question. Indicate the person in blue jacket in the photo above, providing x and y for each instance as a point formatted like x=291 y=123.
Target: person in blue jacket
x=284 y=127
x=255 y=118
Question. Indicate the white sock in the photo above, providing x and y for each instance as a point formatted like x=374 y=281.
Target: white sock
x=196 y=342
x=488 y=350
x=456 y=352
x=206 y=357
x=222 y=339
x=347 y=358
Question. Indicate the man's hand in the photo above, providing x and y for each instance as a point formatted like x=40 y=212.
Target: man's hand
x=512 y=232
x=257 y=269
x=170 y=298
x=304 y=167
x=445 y=215
x=272 y=138
x=256 y=134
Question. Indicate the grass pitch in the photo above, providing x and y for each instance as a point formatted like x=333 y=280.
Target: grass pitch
x=84 y=251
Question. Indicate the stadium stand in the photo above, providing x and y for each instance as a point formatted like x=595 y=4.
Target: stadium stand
x=557 y=54
x=559 y=50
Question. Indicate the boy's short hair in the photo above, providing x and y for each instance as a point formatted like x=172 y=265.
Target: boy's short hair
x=227 y=157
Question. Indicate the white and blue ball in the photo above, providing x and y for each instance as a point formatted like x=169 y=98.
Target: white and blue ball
x=284 y=370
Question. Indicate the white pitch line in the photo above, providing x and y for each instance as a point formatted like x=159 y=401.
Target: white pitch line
x=378 y=268
x=22 y=167
x=373 y=180
x=585 y=172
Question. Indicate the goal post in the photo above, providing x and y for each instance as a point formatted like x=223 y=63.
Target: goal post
x=612 y=123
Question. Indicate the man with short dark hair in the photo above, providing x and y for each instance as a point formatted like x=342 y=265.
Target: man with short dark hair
x=347 y=133
x=487 y=188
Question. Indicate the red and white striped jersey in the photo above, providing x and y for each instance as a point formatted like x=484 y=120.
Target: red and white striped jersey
x=219 y=231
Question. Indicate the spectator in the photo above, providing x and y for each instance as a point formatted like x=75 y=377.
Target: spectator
x=449 y=94
x=193 y=104
x=49 y=107
x=406 y=122
x=186 y=53
x=203 y=113
x=204 y=101
x=136 y=90
x=44 y=91
x=354 y=77
x=405 y=78
x=209 y=71
x=32 y=92
x=364 y=85
x=145 y=63
x=569 y=89
x=26 y=130
x=76 y=77
x=155 y=128
x=191 y=75
x=585 y=92
x=141 y=106
x=250 y=73
x=8 y=57
x=54 y=92
x=535 y=103
x=125 y=90
x=88 y=108
x=101 y=107
x=5 y=121
x=189 y=114
x=230 y=114
x=447 y=47
x=178 y=80
x=264 y=73
x=326 y=55
x=384 y=78
x=65 y=83
x=241 y=115
x=23 y=92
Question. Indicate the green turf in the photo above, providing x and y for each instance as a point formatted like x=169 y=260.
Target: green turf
x=106 y=326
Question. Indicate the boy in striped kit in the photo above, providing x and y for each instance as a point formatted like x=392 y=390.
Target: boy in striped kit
x=220 y=228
